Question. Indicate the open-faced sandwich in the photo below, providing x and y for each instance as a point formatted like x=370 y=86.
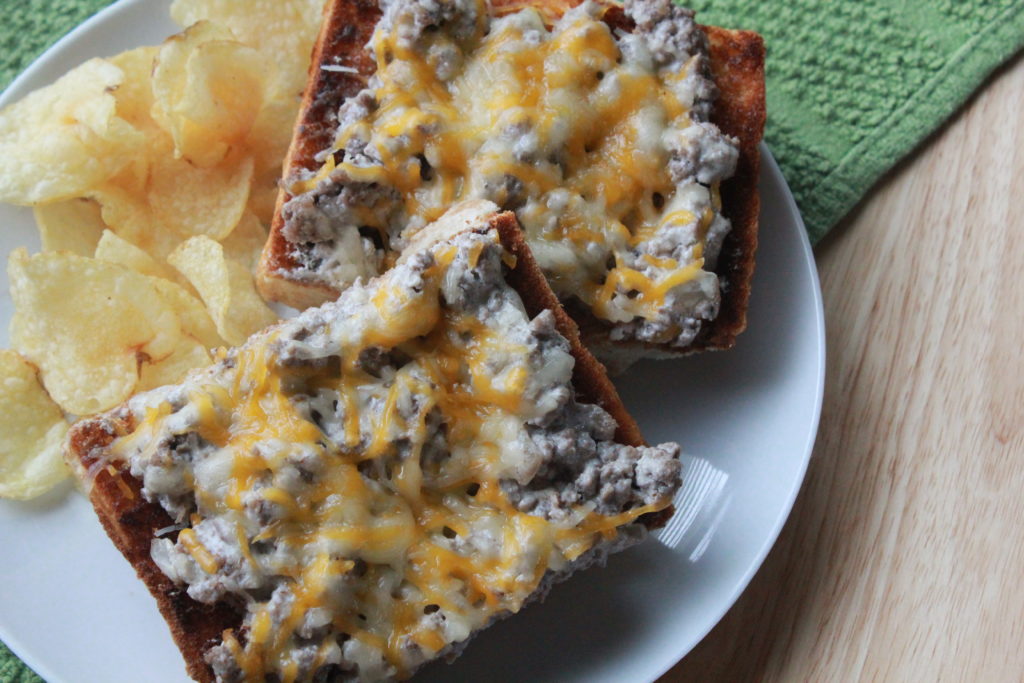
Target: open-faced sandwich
x=624 y=138
x=359 y=490
x=430 y=444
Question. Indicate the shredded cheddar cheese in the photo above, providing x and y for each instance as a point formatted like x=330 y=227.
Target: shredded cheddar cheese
x=595 y=144
x=370 y=506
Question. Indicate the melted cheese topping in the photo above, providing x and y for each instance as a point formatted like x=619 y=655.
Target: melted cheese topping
x=563 y=125
x=386 y=526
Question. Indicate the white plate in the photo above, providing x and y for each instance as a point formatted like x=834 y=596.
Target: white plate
x=72 y=608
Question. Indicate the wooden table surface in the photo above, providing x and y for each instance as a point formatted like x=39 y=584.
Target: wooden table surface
x=903 y=559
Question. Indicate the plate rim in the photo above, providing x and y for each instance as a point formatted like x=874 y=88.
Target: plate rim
x=771 y=166
x=18 y=87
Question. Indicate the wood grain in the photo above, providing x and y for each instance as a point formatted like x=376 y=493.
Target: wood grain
x=904 y=556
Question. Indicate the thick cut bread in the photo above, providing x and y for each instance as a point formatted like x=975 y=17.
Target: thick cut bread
x=737 y=65
x=132 y=523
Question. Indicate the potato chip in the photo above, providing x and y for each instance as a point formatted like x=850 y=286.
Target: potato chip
x=282 y=30
x=61 y=140
x=134 y=177
x=85 y=323
x=226 y=288
x=182 y=200
x=74 y=225
x=200 y=201
x=245 y=243
x=190 y=354
x=263 y=194
x=114 y=249
x=225 y=83
x=195 y=320
x=135 y=104
x=130 y=216
x=134 y=100
x=272 y=131
x=208 y=91
x=268 y=142
x=169 y=73
x=134 y=97
x=33 y=427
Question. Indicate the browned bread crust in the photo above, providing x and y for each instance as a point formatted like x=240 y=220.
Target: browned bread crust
x=346 y=29
x=589 y=377
x=737 y=65
x=132 y=523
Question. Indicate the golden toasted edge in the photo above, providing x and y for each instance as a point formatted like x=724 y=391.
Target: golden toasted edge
x=347 y=28
x=737 y=64
x=131 y=522
x=589 y=376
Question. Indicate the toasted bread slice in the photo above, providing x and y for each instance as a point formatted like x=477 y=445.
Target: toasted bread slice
x=139 y=437
x=737 y=66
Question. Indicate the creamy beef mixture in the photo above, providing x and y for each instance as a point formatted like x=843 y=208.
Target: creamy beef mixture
x=600 y=141
x=376 y=479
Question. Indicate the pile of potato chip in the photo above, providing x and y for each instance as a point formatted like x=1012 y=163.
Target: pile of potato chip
x=153 y=176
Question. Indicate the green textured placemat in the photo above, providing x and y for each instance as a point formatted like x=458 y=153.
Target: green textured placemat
x=13 y=671
x=853 y=86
